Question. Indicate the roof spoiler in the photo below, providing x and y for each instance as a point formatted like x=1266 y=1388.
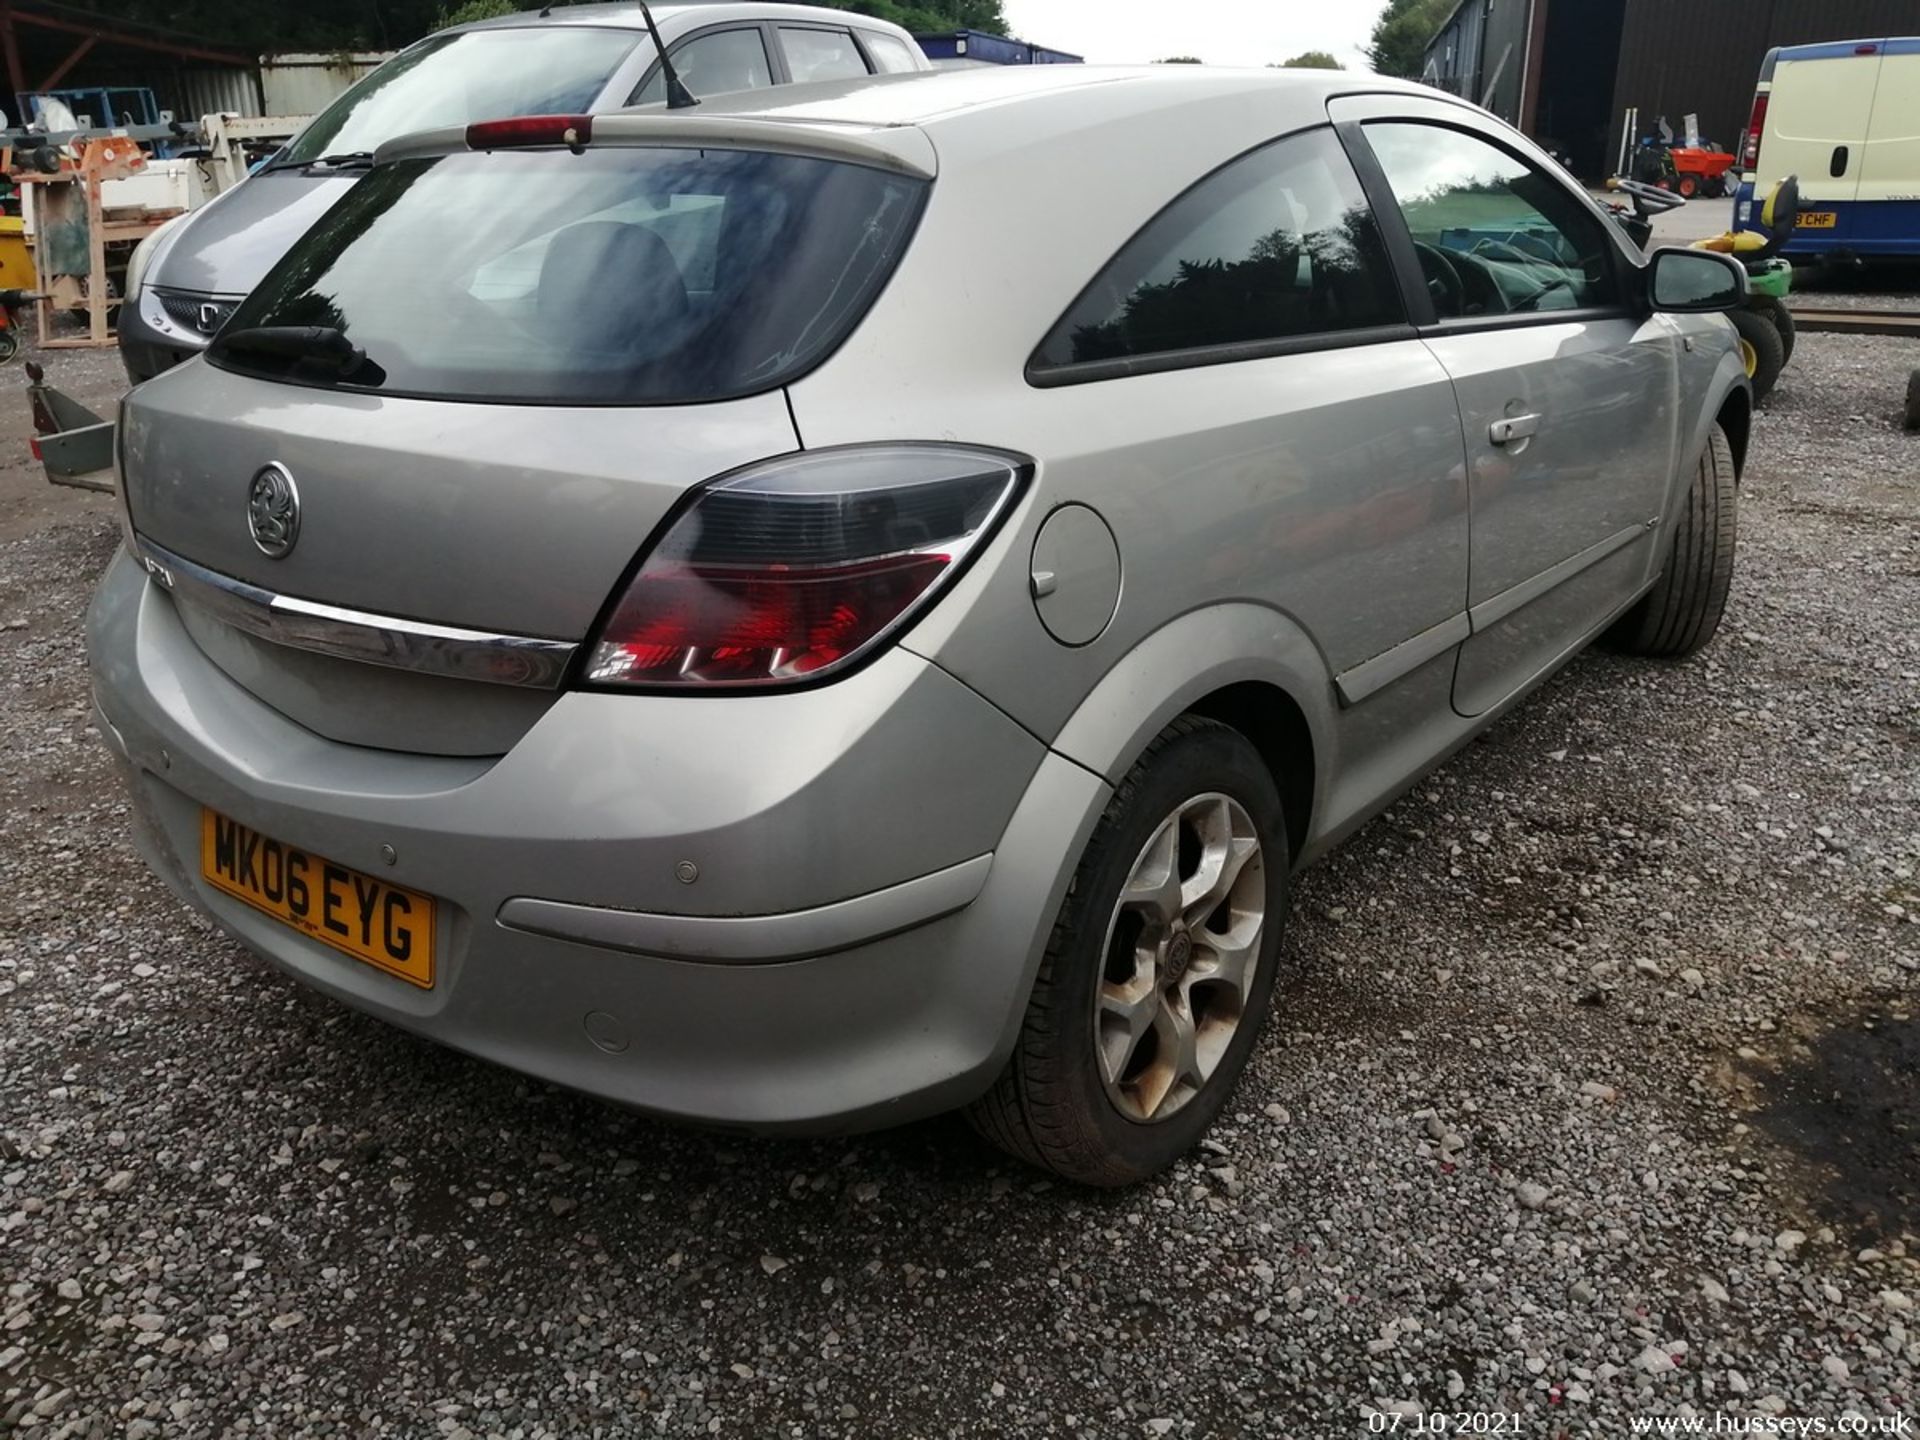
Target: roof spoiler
x=905 y=150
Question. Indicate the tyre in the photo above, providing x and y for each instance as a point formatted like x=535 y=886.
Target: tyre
x=1156 y=978
x=9 y=344
x=1683 y=609
x=1776 y=310
x=1761 y=349
x=1913 y=401
x=1688 y=186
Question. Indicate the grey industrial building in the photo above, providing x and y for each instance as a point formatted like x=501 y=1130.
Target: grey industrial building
x=1565 y=71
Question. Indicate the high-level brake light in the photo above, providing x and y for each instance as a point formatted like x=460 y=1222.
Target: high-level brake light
x=574 y=130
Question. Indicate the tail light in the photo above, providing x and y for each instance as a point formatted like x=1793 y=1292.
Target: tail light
x=1756 y=122
x=792 y=570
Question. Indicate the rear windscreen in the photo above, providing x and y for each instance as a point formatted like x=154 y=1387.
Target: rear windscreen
x=615 y=276
x=463 y=76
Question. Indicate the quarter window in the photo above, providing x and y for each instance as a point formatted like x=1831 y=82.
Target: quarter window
x=890 y=53
x=821 y=55
x=713 y=64
x=1495 y=235
x=1278 y=244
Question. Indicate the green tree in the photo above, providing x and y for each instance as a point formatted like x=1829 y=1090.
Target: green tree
x=1181 y=60
x=1311 y=60
x=472 y=10
x=932 y=16
x=1402 y=33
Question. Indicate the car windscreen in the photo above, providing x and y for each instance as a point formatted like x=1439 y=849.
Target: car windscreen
x=619 y=275
x=465 y=76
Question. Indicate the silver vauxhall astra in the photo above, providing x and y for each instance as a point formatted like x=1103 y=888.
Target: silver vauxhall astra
x=851 y=601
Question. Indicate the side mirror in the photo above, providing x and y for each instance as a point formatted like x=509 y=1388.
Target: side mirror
x=1694 y=281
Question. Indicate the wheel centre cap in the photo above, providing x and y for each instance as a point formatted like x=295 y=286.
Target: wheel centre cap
x=1179 y=955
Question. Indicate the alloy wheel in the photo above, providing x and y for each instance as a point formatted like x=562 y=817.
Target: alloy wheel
x=1182 y=949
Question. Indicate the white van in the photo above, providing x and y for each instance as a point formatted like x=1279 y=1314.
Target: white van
x=1845 y=118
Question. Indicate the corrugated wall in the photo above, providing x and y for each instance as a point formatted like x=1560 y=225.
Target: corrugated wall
x=188 y=91
x=1453 y=56
x=1703 y=56
x=304 y=84
x=1503 y=59
x=193 y=93
x=1480 y=54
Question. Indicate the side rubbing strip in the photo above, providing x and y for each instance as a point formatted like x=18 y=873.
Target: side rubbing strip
x=1372 y=676
x=1493 y=610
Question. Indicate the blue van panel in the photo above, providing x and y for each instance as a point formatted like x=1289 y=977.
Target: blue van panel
x=990 y=49
x=1871 y=229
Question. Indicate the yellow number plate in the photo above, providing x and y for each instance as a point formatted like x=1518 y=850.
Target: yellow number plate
x=384 y=925
x=1816 y=219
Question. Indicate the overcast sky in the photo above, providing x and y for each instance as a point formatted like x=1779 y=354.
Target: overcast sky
x=1221 y=32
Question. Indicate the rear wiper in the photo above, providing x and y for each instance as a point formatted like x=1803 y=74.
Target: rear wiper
x=319 y=344
x=345 y=160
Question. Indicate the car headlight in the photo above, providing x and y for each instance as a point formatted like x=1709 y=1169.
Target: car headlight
x=142 y=254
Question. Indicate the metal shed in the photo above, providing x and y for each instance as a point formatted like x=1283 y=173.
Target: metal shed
x=48 y=46
x=1565 y=70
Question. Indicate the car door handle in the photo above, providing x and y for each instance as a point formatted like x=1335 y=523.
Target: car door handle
x=1518 y=427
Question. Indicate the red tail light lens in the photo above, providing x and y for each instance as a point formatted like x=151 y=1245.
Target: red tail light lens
x=1756 y=122
x=792 y=570
x=530 y=130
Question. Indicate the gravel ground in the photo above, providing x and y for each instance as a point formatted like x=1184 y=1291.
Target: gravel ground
x=1592 y=1091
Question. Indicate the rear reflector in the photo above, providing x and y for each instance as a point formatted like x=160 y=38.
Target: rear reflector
x=573 y=130
x=34 y=446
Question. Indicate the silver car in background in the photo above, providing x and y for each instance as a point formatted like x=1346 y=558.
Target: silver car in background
x=853 y=602
x=184 y=284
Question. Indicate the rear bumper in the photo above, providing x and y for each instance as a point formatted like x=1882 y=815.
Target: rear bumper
x=841 y=962
x=1861 y=229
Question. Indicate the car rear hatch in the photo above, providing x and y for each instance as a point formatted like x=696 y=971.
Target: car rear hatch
x=421 y=457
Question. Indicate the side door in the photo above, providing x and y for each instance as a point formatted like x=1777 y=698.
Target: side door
x=713 y=61
x=1567 y=391
x=1240 y=393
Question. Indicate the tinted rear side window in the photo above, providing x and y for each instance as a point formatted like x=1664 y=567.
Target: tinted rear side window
x=821 y=55
x=1278 y=244
x=890 y=55
x=619 y=275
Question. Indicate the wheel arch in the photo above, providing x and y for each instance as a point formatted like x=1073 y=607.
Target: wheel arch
x=1735 y=416
x=1247 y=666
x=1274 y=723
